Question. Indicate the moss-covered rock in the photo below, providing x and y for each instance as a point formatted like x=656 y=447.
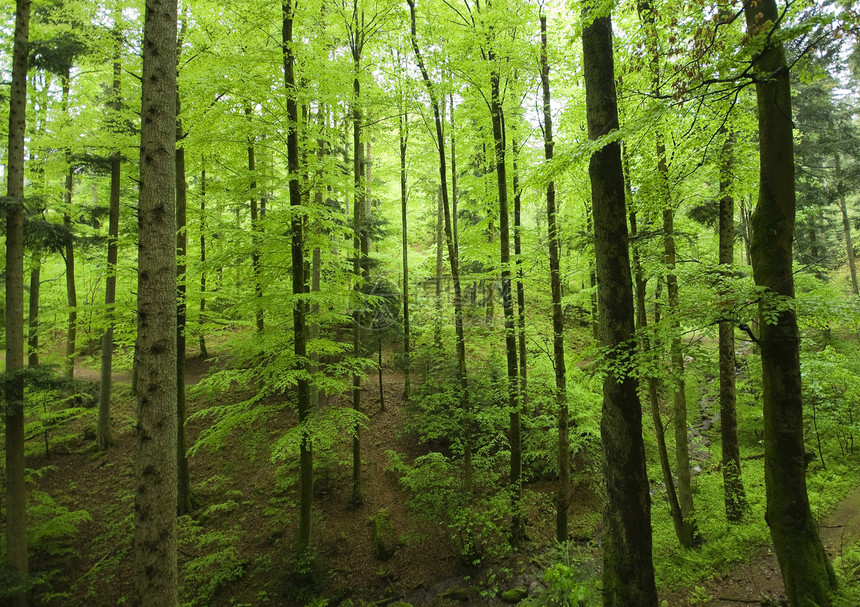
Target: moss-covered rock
x=514 y=595
x=384 y=540
x=456 y=593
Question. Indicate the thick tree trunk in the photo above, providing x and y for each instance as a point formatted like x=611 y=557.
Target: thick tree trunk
x=16 y=488
x=628 y=571
x=806 y=571
x=298 y=276
x=454 y=261
x=155 y=564
x=562 y=501
x=733 y=486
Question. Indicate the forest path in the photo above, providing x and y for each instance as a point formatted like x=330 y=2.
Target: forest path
x=758 y=582
x=195 y=369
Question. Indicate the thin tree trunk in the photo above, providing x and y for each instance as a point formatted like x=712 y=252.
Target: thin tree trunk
x=201 y=318
x=521 y=294
x=155 y=537
x=681 y=531
x=628 y=571
x=562 y=496
x=453 y=259
x=808 y=576
x=255 y=228
x=513 y=386
x=16 y=487
x=733 y=486
x=298 y=277
x=69 y=255
x=454 y=214
x=846 y=224
x=440 y=268
x=361 y=270
x=403 y=133
x=33 y=311
x=103 y=434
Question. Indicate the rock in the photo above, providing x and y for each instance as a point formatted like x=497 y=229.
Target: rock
x=384 y=540
x=456 y=593
x=514 y=595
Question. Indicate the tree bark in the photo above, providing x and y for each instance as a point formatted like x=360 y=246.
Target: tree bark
x=298 y=277
x=403 y=135
x=155 y=564
x=69 y=254
x=562 y=501
x=255 y=229
x=361 y=269
x=846 y=224
x=645 y=347
x=807 y=573
x=453 y=259
x=16 y=488
x=733 y=486
x=628 y=571
x=103 y=433
x=203 y=352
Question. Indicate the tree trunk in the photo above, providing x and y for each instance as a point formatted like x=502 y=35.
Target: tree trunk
x=681 y=529
x=16 y=488
x=440 y=269
x=521 y=293
x=155 y=565
x=103 y=434
x=562 y=496
x=69 y=254
x=255 y=227
x=453 y=259
x=846 y=224
x=203 y=353
x=808 y=575
x=733 y=486
x=403 y=134
x=361 y=270
x=33 y=311
x=628 y=571
x=513 y=388
x=298 y=277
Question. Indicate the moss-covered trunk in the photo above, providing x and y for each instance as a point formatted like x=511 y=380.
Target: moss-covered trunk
x=806 y=571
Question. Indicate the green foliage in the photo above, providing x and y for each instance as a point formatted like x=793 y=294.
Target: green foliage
x=571 y=578
x=215 y=560
x=473 y=527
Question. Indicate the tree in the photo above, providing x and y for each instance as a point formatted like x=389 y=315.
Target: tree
x=806 y=571
x=155 y=564
x=561 y=502
x=103 y=433
x=628 y=571
x=298 y=276
x=16 y=488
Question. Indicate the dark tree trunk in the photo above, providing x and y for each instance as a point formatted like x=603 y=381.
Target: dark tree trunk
x=255 y=232
x=806 y=571
x=733 y=486
x=33 y=311
x=562 y=496
x=453 y=259
x=298 y=276
x=16 y=488
x=69 y=254
x=201 y=317
x=361 y=269
x=103 y=434
x=681 y=530
x=628 y=571
x=513 y=388
x=521 y=293
x=403 y=134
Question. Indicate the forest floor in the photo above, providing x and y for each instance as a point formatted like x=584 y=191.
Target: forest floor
x=245 y=498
